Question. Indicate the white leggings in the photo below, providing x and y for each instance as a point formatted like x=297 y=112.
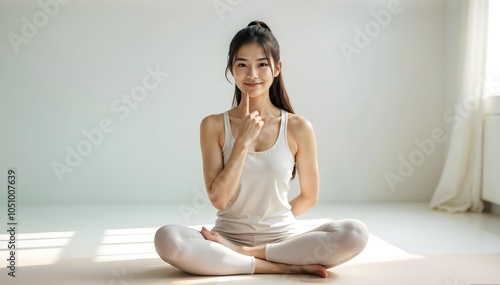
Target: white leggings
x=330 y=244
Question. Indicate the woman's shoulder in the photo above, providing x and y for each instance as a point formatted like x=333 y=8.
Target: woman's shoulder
x=212 y=120
x=299 y=124
x=216 y=119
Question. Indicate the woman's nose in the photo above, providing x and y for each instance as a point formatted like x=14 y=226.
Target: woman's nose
x=252 y=73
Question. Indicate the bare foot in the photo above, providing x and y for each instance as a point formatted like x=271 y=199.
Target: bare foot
x=315 y=269
x=216 y=237
x=268 y=267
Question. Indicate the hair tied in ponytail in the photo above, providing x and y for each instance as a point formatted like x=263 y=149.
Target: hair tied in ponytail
x=259 y=24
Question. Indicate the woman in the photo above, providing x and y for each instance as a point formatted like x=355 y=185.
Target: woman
x=250 y=154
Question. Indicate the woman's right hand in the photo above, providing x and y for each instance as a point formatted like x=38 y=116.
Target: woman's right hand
x=250 y=124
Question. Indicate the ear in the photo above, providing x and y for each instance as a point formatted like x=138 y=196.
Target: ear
x=277 y=68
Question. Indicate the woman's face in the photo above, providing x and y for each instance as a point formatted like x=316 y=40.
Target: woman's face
x=252 y=71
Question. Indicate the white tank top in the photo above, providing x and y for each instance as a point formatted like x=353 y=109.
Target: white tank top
x=259 y=211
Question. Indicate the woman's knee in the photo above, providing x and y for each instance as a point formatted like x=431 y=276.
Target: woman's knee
x=167 y=242
x=354 y=234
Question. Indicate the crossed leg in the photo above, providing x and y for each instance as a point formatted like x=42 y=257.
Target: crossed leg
x=261 y=264
x=190 y=251
x=330 y=244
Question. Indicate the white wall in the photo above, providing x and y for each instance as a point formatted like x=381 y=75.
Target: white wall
x=367 y=111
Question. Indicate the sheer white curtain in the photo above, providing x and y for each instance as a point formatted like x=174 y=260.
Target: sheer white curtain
x=459 y=188
x=493 y=64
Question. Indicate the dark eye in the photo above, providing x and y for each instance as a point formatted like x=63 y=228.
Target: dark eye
x=241 y=65
x=263 y=64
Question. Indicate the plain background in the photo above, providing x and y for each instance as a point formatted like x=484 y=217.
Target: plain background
x=366 y=112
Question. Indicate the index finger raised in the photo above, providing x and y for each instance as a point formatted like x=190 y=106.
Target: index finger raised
x=247 y=99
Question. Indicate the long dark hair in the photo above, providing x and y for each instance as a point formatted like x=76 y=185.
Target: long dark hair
x=259 y=32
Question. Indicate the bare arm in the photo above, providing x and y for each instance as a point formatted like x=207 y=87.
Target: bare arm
x=221 y=181
x=307 y=165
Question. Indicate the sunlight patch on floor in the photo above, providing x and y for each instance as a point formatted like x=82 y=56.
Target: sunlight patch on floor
x=137 y=243
x=379 y=250
x=36 y=248
x=126 y=244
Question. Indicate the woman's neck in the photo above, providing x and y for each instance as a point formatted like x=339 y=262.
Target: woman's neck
x=263 y=105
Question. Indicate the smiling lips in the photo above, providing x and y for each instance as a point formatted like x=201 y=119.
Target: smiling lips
x=253 y=84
